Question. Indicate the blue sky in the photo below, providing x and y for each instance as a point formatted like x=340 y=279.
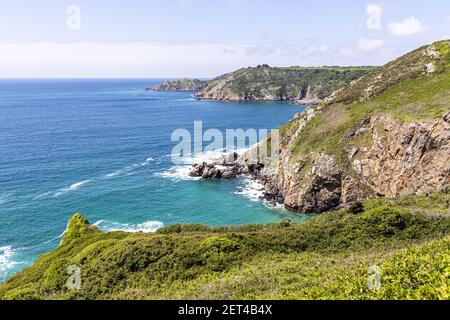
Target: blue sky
x=205 y=38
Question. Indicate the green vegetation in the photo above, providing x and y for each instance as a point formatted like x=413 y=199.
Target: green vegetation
x=292 y=83
x=404 y=242
x=443 y=48
x=327 y=257
x=180 y=85
x=409 y=96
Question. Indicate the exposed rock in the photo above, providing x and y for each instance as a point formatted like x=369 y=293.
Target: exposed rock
x=214 y=171
x=378 y=157
x=228 y=174
x=229 y=159
x=180 y=85
x=405 y=159
x=351 y=191
x=264 y=83
x=197 y=170
x=447 y=118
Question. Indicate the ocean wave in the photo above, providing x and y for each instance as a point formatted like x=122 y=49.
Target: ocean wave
x=146 y=227
x=113 y=174
x=6 y=261
x=251 y=189
x=60 y=192
x=177 y=173
x=4 y=198
x=181 y=172
x=210 y=156
x=127 y=171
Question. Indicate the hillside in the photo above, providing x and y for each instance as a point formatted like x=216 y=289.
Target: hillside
x=333 y=256
x=304 y=85
x=264 y=83
x=385 y=135
x=374 y=156
x=180 y=85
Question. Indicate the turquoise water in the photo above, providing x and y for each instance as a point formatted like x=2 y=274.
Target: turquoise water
x=101 y=147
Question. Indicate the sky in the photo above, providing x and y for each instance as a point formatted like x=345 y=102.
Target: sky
x=206 y=38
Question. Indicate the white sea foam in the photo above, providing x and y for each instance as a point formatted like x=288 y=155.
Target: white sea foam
x=181 y=172
x=57 y=193
x=77 y=185
x=251 y=189
x=6 y=261
x=114 y=174
x=127 y=171
x=177 y=173
x=207 y=156
x=254 y=191
x=70 y=188
x=146 y=227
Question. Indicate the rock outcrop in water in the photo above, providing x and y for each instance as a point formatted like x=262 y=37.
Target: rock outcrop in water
x=225 y=168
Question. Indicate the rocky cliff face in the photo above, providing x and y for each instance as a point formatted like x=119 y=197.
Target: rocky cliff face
x=385 y=135
x=264 y=83
x=397 y=159
x=386 y=140
x=180 y=85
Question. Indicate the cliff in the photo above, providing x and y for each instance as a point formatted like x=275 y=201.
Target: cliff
x=382 y=140
x=180 y=85
x=264 y=83
x=385 y=135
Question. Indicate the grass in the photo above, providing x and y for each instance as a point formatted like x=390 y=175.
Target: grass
x=422 y=98
x=326 y=257
x=287 y=83
x=404 y=242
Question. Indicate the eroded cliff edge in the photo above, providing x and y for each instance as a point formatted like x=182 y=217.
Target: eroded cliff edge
x=385 y=135
x=265 y=83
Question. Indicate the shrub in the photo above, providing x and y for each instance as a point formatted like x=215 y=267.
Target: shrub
x=218 y=245
x=385 y=220
x=356 y=208
x=27 y=293
x=55 y=277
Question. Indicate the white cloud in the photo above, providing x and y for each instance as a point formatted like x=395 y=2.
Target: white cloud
x=118 y=59
x=408 y=27
x=369 y=44
x=165 y=60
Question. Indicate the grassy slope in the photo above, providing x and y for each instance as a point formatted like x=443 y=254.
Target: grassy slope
x=291 y=81
x=405 y=94
x=326 y=257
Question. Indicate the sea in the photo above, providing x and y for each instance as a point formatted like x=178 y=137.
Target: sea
x=102 y=147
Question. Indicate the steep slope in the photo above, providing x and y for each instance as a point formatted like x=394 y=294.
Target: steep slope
x=331 y=256
x=180 y=85
x=386 y=134
x=307 y=85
